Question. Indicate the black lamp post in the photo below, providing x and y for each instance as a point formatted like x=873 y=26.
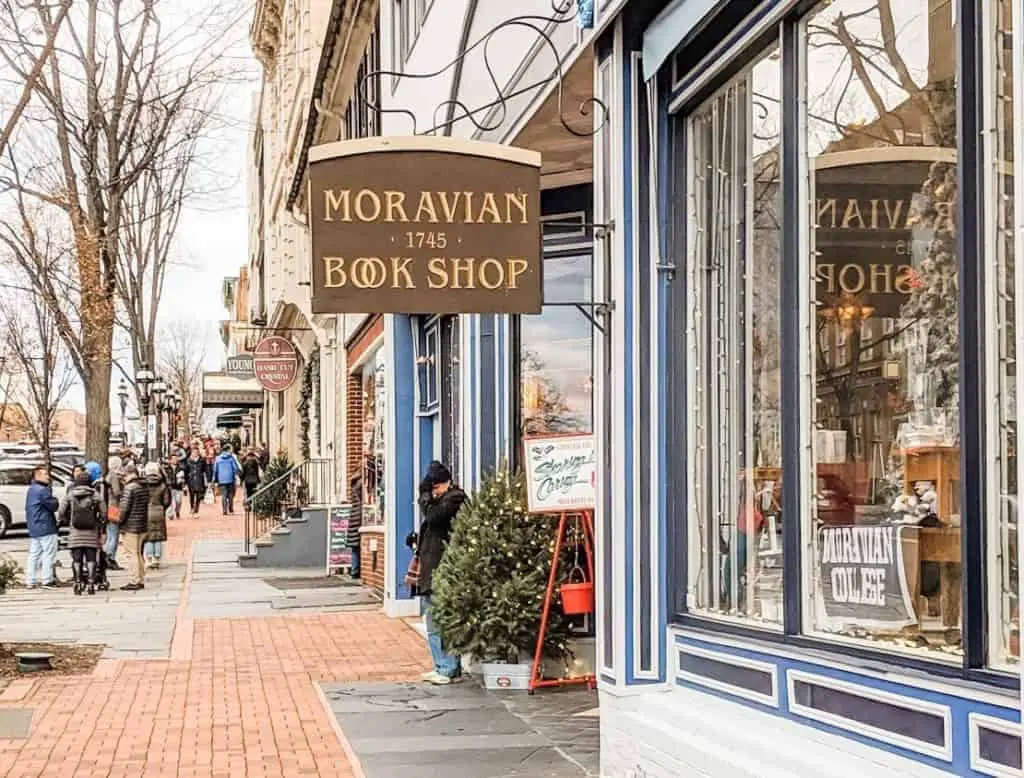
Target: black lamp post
x=144 y=382
x=159 y=392
x=173 y=403
x=122 y=396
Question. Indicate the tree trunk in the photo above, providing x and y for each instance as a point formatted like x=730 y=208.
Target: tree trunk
x=97 y=412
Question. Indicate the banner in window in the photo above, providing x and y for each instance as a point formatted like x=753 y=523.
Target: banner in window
x=864 y=578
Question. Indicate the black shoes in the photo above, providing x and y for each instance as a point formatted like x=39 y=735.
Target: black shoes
x=113 y=565
x=132 y=587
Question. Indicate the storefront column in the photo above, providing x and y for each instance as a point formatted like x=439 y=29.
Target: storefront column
x=631 y=515
x=400 y=477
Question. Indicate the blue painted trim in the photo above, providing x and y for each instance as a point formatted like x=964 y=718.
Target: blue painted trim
x=663 y=346
x=750 y=22
x=961 y=705
x=403 y=459
x=628 y=315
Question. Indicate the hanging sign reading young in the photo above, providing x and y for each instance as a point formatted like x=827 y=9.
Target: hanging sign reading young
x=863 y=575
x=339 y=554
x=561 y=473
x=275 y=363
x=424 y=224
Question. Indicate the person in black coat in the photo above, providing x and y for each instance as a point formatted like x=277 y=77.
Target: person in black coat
x=195 y=479
x=439 y=502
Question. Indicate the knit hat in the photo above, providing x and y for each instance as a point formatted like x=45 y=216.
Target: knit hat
x=94 y=470
x=437 y=473
x=152 y=468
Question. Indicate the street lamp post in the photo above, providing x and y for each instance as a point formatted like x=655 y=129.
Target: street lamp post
x=122 y=396
x=144 y=382
x=159 y=392
x=172 y=416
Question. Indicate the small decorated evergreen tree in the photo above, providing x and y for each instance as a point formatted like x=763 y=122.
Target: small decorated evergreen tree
x=488 y=591
x=267 y=502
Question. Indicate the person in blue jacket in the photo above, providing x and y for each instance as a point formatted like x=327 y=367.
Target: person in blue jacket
x=225 y=472
x=41 y=517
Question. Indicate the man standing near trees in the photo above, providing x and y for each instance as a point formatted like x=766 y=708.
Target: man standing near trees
x=41 y=516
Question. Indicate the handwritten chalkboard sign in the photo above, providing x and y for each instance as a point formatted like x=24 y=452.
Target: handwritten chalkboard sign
x=561 y=473
x=338 y=552
x=864 y=576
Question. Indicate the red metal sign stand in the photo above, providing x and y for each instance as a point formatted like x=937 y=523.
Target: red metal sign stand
x=536 y=676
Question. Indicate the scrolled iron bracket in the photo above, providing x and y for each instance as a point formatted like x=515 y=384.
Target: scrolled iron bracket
x=562 y=12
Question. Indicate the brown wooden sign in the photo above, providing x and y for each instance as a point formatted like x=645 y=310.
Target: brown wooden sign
x=276 y=363
x=425 y=224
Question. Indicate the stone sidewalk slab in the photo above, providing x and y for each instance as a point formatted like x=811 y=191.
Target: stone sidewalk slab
x=457 y=731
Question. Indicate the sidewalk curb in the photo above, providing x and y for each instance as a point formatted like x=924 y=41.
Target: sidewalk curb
x=181 y=637
x=350 y=754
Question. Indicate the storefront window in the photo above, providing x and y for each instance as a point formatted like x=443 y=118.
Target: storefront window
x=1004 y=643
x=735 y=564
x=374 y=414
x=556 y=352
x=881 y=157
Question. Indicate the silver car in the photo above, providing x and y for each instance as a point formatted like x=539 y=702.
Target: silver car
x=15 y=478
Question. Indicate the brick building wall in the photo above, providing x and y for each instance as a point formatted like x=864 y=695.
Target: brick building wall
x=371 y=560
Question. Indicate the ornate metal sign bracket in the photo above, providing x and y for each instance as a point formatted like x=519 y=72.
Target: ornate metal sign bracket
x=562 y=12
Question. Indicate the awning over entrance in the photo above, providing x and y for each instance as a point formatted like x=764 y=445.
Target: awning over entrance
x=231 y=419
x=221 y=390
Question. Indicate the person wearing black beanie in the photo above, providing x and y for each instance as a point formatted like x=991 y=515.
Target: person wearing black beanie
x=439 y=503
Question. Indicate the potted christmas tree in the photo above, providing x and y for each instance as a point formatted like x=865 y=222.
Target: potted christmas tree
x=488 y=591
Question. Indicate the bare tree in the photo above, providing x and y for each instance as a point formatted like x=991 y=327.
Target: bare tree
x=115 y=88
x=35 y=57
x=181 y=358
x=36 y=349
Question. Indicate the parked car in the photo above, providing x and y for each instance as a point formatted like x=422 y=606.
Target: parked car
x=14 y=480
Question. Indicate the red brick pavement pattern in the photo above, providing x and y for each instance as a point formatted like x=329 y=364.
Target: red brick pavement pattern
x=244 y=704
x=209 y=525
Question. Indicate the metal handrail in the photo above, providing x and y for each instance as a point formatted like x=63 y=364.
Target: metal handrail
x=257 y=526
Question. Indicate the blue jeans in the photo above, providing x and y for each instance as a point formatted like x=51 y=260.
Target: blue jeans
x=444 y=663
x=113 y=533
x=42 y=553
x=153 y=549
x=354 y=565
x=227 y=497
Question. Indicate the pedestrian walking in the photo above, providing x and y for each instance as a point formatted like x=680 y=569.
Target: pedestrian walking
x=156 y=515
x=82 y=511
x=114 y=489
x=264 y=457
x=226 y=472
x=174 y=474
x=41 y=516
x=251 y=472
x=195 y=479
x=439 y=502
x=134 y=520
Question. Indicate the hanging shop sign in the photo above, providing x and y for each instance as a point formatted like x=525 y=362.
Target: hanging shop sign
x=240 y=366
x=276 y=363
x=864 y=575
x=561 y=473
x=875 y=224
x=425 y=224
x=339 y=554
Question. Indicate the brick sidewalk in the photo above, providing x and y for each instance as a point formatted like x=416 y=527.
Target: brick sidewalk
x=241 y=705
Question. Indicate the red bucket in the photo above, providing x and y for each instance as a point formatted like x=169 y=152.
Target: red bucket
x=577 y=598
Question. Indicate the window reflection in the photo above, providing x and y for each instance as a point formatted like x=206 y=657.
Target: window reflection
x=881 y=143
x=556 y=352
x=733 y=337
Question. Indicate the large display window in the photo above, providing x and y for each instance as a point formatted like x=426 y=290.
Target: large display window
x=850 y=424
